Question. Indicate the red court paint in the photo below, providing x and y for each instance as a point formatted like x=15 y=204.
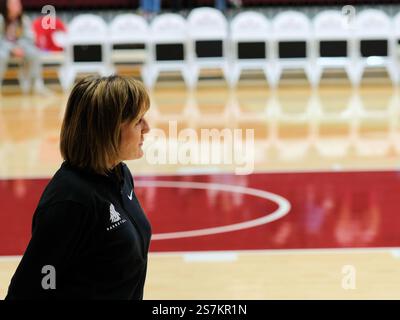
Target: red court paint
x=328 y=210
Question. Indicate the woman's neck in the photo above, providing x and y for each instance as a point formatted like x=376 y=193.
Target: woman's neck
x=114 y=165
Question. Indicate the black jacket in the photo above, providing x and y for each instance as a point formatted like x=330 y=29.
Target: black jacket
x=92 y=230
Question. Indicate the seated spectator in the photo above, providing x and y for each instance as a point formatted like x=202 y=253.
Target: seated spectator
x=44 y=37
x=16 y=40
x=150 y=8
x=221 y=4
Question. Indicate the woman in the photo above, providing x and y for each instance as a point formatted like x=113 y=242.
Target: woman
x=90 y=237
x=16 y=39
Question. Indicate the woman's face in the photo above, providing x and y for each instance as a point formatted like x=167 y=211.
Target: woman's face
x=132 y=136
x=14 y=8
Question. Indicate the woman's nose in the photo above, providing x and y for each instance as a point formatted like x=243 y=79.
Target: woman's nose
x=146 y=127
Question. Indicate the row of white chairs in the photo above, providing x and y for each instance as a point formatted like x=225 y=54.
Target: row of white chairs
x=250 y=41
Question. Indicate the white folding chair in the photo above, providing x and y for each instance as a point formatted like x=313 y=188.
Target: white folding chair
x=87 y=48
x=167 y=48
x=208 y=36
x=293 y=45
x=129 y=34
x=250 y=46
x=396 y=42
x=333 y=44
x=374 y=45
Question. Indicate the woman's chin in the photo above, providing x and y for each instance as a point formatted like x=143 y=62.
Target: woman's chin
x=136 y=157
x=139 y=154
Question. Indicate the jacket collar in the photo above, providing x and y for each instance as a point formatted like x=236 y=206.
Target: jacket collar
x=112 y=177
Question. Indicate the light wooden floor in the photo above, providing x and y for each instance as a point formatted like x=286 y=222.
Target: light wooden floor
x=319 y=274
x=296 y=129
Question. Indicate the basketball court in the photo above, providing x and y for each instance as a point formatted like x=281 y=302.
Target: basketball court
x=319 y=207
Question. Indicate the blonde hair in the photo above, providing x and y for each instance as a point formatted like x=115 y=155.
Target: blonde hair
x=96 y=108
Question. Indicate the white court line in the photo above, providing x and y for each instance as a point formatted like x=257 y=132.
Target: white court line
x=9 y=258
x=168 y=254
x=283 y=251
x=210 y=257
x=283 y=209
x=331 y=169
x=197 y=172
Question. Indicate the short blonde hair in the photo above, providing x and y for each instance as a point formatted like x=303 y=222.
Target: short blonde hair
x=91 y=130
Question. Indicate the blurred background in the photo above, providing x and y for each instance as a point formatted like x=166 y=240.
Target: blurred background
x=317 y=84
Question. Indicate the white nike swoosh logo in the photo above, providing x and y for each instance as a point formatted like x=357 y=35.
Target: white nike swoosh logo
x=130 y=196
